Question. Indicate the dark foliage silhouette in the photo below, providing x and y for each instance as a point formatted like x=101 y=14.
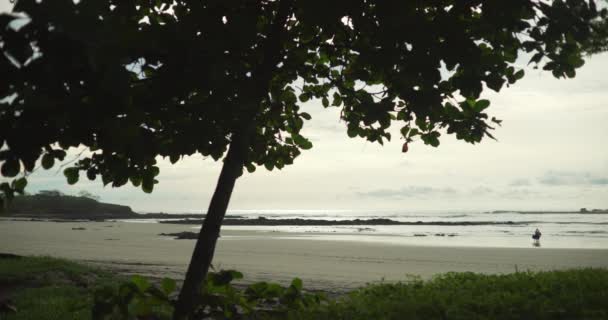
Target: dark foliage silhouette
x=135 y=80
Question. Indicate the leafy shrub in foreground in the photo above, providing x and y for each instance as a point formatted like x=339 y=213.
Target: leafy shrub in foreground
x=572 y=294
x=140 y=299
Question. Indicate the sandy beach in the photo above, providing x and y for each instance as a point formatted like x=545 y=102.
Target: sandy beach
x=322 y=263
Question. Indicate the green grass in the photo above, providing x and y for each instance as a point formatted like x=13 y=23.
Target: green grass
x=48 y=288
x=52 y=302
x=571 y=294
x=43 y=270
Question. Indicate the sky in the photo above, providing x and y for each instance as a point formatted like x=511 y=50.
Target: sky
x=551 y=154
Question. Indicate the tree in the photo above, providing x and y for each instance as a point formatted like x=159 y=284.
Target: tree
x=140 y=79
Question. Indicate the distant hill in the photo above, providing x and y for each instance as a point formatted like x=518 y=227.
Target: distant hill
x=59 y=206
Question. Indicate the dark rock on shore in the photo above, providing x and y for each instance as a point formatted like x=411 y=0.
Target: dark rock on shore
x=261 y=221
x=187 y=235
x=365 y=229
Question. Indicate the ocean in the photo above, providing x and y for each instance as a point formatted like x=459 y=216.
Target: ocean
x=488 y=229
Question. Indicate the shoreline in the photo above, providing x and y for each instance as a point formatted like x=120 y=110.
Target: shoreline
x=355 y=222
x=262 y=219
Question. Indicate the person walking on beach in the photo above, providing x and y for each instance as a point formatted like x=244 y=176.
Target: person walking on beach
x=536 y=237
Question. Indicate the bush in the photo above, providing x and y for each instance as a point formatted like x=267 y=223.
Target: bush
x=139 y=299
x=55 y=289
x=572 y=294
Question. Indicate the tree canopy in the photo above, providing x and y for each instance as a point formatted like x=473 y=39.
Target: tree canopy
x=135 y=80
x=139 y=79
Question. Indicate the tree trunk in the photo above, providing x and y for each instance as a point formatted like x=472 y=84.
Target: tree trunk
x=210 y=231
x=233 y=166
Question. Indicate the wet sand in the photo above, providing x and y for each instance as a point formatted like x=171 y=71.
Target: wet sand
x=276 y=256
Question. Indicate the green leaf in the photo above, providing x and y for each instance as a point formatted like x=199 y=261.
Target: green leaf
x=147 y=185
x=71 y=174
x=570 y=72
x=91 y=175
x=480 y=105
x=106 y=179
x=10 y=168
x=302 y=142
x=174 y=158
x=269 y=165
x=250 y=167
x=289 y=97
x=434 y=142
x=58 y=154
x=431 y=138
x=305 y=116
x=352 y=132
x=135 y=180
x=337 y=100
x=141 y=282
x=536 y=58
x=325 y=102
x=297 y=284
x=304 y=97
x=575 y=61
x=307 y=145
x=223 y=277
x=519 y=74
x=495 y=83
x=168 y=285
x=48 y=161
x=422 y=124
x=29 y=164
x=20 y=184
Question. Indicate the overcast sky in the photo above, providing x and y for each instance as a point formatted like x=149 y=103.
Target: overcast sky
x=551 y=153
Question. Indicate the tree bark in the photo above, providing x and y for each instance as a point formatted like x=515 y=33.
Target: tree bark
x=232 y=168
x=207 y=238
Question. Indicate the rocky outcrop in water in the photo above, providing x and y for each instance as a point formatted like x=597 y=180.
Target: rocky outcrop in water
x=261 y=221
x=181 y=235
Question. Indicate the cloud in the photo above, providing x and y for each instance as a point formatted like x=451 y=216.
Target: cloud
x=5 y=6
x=520 y=194
x=519 y=183
x=481 y=190
x=572 y=178
x=408 y=192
